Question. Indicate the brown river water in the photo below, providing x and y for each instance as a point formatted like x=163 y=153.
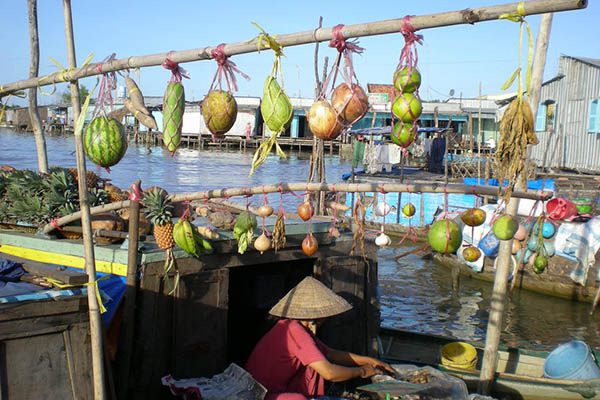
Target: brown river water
x=415 y=294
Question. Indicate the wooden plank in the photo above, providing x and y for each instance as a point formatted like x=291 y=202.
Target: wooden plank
x=67 y=276
x=41 y=308
x=200 y=343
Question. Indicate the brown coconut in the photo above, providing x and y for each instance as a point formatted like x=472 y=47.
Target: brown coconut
x=108 y=222
x=351 y=104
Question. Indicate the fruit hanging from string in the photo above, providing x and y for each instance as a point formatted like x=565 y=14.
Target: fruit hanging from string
x=135 y=105
x=219 y=108
x=278 y=241
x=173 y=104
x=444 y=235
x=382 y=209
x=406 y=103
x=275 y=107
x=263 y=242
x=104 y=139
x=349 y=102
x=305 y=212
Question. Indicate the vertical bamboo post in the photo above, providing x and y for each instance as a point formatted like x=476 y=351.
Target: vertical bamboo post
x=130 y=295
x=499 y=292
x=90 y=266
x=34 y=67
x=479 y=140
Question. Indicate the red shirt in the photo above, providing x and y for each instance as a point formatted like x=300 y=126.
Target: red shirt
x=283 y=353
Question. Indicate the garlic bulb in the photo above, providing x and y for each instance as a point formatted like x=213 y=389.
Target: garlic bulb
x=381 y=209
x=383 y=240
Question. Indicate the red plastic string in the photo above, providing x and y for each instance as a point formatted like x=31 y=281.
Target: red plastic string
x=409 y=55
x=135 y=194
x=177 y=72
x=54 y=223
x=109 y=83
x=225 y=68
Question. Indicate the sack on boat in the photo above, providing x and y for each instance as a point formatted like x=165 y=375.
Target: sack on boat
x=234 y=383
x=438 y=386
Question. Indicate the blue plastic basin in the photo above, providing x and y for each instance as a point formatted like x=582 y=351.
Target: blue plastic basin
x=572 y=360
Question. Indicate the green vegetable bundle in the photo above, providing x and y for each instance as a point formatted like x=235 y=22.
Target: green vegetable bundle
x=173 y=109
x=243 y=230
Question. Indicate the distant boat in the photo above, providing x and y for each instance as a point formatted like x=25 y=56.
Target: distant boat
x=519 y=372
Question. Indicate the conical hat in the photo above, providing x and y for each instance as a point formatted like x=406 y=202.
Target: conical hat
x=310 y=299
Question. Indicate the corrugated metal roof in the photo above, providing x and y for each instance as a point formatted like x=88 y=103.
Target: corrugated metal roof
x=591 y=61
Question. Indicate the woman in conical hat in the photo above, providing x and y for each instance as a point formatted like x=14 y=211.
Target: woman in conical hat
x=291 y=362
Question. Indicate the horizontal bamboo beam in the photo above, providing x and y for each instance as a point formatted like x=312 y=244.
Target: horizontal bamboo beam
x=466 y=16
x=451 y=188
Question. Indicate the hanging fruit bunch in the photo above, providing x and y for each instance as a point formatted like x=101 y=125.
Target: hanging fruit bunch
x=278 y=241
x=406 y=104
x=263 y=242
x=381 y=209
x=187 y=237
x=444 y=235
x=408 y=211
x=516 y=126
x=104 y=139
x=305 y=212
x=349 y=102
x=173 y=105
x=275 y=107
x=219 y=108
x=472 y=217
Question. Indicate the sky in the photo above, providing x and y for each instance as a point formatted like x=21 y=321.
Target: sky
x=458 y=57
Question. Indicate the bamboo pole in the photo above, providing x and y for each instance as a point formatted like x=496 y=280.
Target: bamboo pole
x=90 y=266
x=500 y=289
x=128 y=327
x=34 y=69
x=466 y=16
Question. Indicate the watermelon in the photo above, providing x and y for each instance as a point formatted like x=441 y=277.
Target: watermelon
x=173 y=108
x=105 y=141
x=219 y=110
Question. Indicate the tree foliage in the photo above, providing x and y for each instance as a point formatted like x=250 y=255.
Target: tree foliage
x=65 y=97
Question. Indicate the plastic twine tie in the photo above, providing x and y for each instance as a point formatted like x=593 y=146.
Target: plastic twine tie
x=225 y=68
x=409 y=55
x=135 y=194
x=177 y=72
x=54 y=223
x=519 y=16
x=107 y=85
x=62 y=74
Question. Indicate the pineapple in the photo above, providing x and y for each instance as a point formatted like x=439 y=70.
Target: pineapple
x=114 y=193
x=159 y=211
x=92 y=178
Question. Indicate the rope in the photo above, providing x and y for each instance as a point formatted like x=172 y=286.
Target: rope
x=519 y=17
x=177 y=72
x=225 y=68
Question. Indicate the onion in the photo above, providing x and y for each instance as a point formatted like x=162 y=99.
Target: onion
x=264 y=211
x=350 y=104
x=309 y=245
x=262 y=243
x=305 y=211
x=383 y=240
x=323 y=121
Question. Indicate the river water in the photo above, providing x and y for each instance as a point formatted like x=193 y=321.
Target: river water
x=416 y=294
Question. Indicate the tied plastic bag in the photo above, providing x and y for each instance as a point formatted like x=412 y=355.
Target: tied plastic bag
x=234 y=383
x=426 y=383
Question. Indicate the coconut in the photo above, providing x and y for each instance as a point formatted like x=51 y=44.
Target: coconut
x=473 y=217
x=219 y=110
x=407 y=107
x=403 y=134
x=275 y=107
x=350 y=104
x=323 y=121
x=445 y=236
x=407 y=79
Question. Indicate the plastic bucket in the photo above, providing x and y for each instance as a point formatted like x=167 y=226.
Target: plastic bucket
x=559 y=208
x=572 y=360
x=459 y=355
x=584 y=206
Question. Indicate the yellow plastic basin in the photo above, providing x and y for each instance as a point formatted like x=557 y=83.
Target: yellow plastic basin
x=459 y=355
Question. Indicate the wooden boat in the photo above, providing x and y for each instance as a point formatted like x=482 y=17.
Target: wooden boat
x=519 y=373
x=555 y=280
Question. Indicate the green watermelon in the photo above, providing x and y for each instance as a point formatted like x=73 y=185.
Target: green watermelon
x=105 y=141
x=403 y=134
x=173 y=109
x=275 y=107
x=219 y=110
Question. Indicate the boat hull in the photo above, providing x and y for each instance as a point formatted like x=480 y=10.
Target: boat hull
x=519 y=373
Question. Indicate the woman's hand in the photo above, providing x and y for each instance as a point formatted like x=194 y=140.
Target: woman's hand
x=379 y=365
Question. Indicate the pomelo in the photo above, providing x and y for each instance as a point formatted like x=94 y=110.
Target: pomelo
x=407 y=107
x=403 y=134
x=505 y=227
x=445 y=236
x=407 y=79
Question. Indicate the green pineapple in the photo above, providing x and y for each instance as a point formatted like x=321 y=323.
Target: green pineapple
x=159 y=211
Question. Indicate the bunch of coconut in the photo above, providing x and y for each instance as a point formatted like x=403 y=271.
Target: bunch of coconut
x=406 y=106
x=349 y=103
